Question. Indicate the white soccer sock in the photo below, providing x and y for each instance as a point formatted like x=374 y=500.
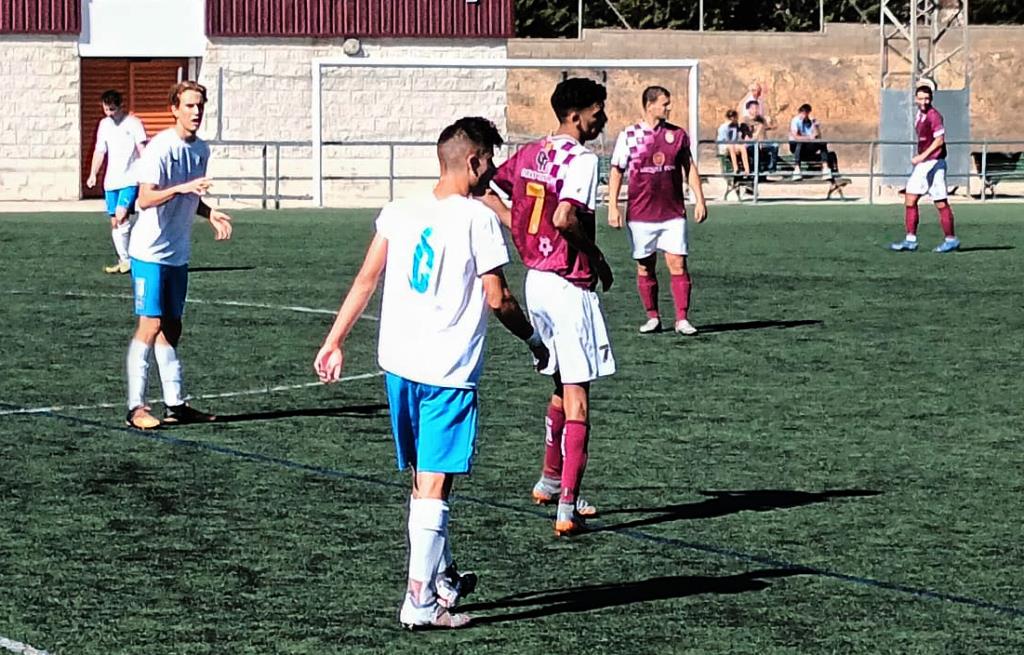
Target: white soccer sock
x=428 y=530
x=120 y=236
x=137 y=369
x=170 y=374
x=911 y=237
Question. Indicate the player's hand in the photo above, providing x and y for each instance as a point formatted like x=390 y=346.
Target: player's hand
x=614 y=217
x=328 y=363
x=198 y=186
x=221 y=224
x=700 y=212
x=604 y=273
x=91 y=182
x=916 y=159
x=541 y=356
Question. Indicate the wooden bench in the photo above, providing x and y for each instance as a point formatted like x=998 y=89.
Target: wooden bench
x=783 y=174
x=999 y=166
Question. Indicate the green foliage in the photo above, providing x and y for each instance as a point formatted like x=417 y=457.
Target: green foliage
x=548 y=18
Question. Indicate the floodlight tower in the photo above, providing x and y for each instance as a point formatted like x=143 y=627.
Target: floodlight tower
x=925 y=43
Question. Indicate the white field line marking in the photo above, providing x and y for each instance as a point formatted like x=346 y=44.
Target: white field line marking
x=20 y=648
x=197 y=301
x=229 y=394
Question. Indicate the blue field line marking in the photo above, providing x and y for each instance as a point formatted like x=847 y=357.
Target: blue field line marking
x=636 y=535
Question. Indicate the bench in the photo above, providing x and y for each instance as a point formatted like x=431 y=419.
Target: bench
x=999 y=166
x=783 y=174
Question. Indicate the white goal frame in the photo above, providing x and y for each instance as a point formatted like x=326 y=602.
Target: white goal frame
x=691 y=65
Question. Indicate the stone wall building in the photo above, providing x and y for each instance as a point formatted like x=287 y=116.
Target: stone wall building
x=257 y=67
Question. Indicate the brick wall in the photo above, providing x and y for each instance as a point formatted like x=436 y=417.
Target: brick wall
x=39 y=127
x=267 y=93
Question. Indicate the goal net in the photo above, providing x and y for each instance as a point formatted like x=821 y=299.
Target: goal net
x=376 y=120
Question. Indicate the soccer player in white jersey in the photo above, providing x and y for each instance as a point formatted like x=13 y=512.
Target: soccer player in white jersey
x=120 y=138
x=433 y=321
x=172 y=177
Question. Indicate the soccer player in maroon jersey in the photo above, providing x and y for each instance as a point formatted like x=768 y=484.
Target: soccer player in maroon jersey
x=656 y=154
x=929 y=175
x=552 y=183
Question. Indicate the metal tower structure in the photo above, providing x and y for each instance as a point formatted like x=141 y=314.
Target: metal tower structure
x=923 y=42
x=927 y=42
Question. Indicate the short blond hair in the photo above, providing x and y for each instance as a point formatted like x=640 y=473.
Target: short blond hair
x=181 y=87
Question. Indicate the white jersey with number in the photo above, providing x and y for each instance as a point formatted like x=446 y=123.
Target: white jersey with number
x=119 y=142
x=163 y=234
x=433 y=316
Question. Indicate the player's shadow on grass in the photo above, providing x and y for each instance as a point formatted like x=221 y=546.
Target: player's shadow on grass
x=219 y=269
x=722 y=503
x=755 y=325
x=984 y=248
x=536 y=604
x=356 y=411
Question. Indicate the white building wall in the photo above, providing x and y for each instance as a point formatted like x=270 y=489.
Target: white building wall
x=267 y=92
x=39 y=127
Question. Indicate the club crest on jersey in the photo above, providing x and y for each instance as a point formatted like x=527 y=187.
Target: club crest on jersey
x=670 y=138
x=543 y=159
x=658 y=159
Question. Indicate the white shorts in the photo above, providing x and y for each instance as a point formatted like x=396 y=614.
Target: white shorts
x=666 y=236
x=929 y=177
x=572 y=326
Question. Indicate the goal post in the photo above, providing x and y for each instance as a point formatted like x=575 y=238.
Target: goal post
x=320 y=64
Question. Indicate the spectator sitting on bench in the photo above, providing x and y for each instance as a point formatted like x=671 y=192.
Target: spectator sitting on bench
x=806 y=145
x=730 y=131
x=755 y=128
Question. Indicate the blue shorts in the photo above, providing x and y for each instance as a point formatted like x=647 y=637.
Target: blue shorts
x=434 y=427
x=121 y=198
x=159 y=290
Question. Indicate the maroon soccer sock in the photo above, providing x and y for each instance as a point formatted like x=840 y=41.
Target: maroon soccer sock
x=946 y=220
x=647 y=285
x=555 y=427
x=681 y=295
x=577 y=434
x=911 y=218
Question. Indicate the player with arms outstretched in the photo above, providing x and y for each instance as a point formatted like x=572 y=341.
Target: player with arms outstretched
x=656 y=154
x=553 y=186
x=441 y=256
x=929 y=176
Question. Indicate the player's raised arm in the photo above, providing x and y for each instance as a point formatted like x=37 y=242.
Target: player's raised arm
x=330 y=359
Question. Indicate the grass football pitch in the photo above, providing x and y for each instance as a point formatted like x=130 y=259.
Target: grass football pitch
x=832 y=466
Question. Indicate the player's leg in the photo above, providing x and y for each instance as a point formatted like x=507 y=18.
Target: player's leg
x=120 y=228
x=547 y=488
x=146 y=289
x=917 y=185
x=110 y=199
x=681 y=289
x=647 y=283
x=937 y=190
x=577 y=437
x=176 y=410
x=445 y=439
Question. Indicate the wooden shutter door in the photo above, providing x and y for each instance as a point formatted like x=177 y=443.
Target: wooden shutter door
x=98 y=75
x=145 y=85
